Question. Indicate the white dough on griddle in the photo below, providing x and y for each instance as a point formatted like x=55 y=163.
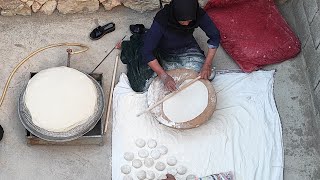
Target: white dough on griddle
x=60 y=98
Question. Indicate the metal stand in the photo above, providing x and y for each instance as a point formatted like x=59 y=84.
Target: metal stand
x=69 y=51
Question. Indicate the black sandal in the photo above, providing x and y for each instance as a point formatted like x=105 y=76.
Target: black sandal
x=100 y=31
x=1 y=133
x=138 y=29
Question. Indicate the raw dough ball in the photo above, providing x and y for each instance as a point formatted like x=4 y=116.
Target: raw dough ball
x=143 y=153
x=181 y=170
x=128 y=156
x=171 y=160
x=191 y=177
x=160 y=166
x=152 y=143
x=141 y=174
x=150 y=175
x=148 y=162
x=162 y=176
x=163 y=149
x=60 y=98
x=140 y=143
x=193 y=99
x=155 y=154
x=172 y=171
x=127 y=177
x=136 y=163
x=125 y=169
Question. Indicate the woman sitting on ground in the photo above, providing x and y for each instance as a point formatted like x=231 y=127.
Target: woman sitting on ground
x=170 y=44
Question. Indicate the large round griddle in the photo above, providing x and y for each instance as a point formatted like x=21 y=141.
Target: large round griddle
x=73 y=133
x=157 y=91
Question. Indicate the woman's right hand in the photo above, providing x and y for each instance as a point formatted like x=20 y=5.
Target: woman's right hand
x=170 y=177
x=168 y=82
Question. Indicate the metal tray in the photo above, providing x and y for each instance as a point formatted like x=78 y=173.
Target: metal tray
x=70 y=135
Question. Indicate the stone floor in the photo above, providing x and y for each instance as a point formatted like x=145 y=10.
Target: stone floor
x=21 y=35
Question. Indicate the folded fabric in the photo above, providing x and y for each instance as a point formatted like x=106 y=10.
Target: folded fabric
x=137 y=29
x=220 y=176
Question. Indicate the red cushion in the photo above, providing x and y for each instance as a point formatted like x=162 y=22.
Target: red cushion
x=254 y=33
x=223 y=3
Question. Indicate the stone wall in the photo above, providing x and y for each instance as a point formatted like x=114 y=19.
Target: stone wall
x=27 y=7
x=304 y=17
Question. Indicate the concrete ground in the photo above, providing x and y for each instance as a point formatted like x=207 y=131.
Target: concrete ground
x=22 y=35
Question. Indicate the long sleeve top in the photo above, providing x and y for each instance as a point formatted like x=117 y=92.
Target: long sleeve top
x=171 y=41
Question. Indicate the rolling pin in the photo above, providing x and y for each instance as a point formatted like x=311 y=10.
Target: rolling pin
x=169 y=96
x=111 y=94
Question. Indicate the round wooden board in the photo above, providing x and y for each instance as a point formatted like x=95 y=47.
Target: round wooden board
x=157 y=91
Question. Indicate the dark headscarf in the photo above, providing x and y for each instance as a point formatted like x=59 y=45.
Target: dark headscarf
x=180 y=10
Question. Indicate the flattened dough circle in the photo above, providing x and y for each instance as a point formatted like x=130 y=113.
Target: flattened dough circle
x=60 y=99
x=187 y=104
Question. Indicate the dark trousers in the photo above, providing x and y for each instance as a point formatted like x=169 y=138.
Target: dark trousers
x=139 y=73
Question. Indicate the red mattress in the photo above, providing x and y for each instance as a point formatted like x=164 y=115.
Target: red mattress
x=253 y=32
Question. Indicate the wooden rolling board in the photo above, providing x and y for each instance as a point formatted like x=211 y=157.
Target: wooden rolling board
x=157 y=92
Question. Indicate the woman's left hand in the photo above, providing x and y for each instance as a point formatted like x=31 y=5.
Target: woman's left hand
x=206 y=71
x=118 y=46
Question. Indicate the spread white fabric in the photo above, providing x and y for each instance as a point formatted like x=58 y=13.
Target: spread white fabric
x=243 y=136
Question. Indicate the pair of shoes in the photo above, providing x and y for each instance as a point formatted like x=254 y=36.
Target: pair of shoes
x=138 y=29
x=1 y=133
x=100 y=31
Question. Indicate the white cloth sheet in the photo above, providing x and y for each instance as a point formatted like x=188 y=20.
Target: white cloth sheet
x=243 y=136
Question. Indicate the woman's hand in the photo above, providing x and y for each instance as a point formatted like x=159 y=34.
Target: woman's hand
x=170 y=177
x=168 y=82
x=118 y=46
x=206 y=71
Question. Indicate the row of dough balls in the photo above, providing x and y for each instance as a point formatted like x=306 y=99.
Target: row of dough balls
x=149 y=162
x=143 y=153
x=150 y=175
x=160 y=166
